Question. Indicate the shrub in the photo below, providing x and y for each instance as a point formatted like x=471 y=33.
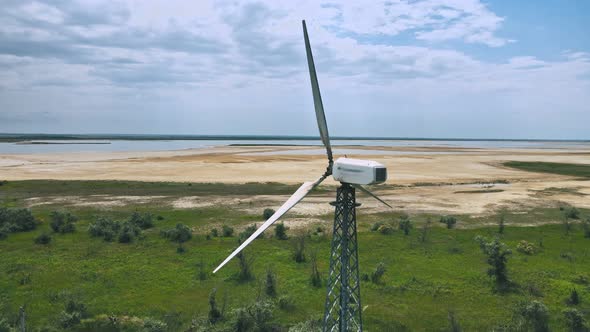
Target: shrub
x=307 y=326
x=154 y=325
x=376 y=226
x=497 y=258
x=270 y=284
x=285 y=303
x=378 y=273
x=267 y=213
x=214 y=313
x=574 y=298
x=143 y=221
x=128 y=232
x=14 y=220
x=261 y=313
x=227 y=231
x=574 y=320
x=385 y=229
x=179 y=234
x=69 y=319
x=299 y=249
x=315 y=277
x=62 y=222
x=454 y=325
x=425 y=230
x=405 y=224
x=450 y=221
x=242 y=320
x=202 y=272
x=501 y=224
x=281 y=231
x=526 y=247
x=245 y=273
x=104 y=227
x=535 y=316
x=43 y=238
x=249 y=231
x=214 y=232
x=586 y=227
x=572 y=213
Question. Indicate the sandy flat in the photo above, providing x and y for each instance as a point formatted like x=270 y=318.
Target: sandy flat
x=417 y=173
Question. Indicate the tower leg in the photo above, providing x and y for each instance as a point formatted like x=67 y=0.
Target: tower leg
x=343 y=300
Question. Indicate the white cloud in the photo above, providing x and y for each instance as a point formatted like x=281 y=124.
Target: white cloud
x=222 y=60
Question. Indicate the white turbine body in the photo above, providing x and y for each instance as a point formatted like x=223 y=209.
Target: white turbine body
x=346 y=170
x=358 y=171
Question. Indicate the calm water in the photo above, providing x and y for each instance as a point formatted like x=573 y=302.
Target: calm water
x=167 y=145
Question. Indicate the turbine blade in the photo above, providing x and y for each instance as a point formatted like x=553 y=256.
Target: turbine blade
x=317 y=97
x=294 y=199
x=363 y=189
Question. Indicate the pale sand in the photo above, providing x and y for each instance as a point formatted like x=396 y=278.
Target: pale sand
x=237 y=165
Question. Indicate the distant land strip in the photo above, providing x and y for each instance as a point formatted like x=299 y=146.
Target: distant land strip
x=15 y=137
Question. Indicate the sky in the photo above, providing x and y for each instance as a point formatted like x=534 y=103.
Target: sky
x=395 y=68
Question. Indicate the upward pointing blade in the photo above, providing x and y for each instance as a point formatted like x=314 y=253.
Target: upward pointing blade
x=294 y=199
x=363 y=189
x=317 y=98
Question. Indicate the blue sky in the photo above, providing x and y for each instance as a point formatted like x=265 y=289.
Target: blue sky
x=426 y=68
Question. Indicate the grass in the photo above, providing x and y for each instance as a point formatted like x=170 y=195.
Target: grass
x=148 y=278
x=579 y=170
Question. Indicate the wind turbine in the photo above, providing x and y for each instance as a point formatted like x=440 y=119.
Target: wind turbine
x=343 y=300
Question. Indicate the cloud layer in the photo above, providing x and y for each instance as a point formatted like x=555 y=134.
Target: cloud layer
x=395 y=68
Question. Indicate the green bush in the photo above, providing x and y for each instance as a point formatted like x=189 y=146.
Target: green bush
x=128 y=232
x=450 y=221
x=534 y=315
x=243 y=322
x=405 y=224
x=14 y=220
x=179 y=234
x=154 y=325
x=267 y=213
x=227 y=231
x=574 y=320
x=574 y=298
x=104 y=227
x=386 y=229
x=299 y=249
x=68 y=320
x=270 y=284
x=378 y=273
x=143 y=221
x=315 y=277
x=572 y=213
x=43 y=238
x=526 y=247
x=497 y=253
x=245 y=273
x=375 y=226
x=214 y=232
x=215 y=314
x=249 y=231
x=62 y=222
x=586 y=227
x=285 y=303
x=281 y=231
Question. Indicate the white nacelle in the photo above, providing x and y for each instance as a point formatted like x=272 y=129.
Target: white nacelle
x=358 y=171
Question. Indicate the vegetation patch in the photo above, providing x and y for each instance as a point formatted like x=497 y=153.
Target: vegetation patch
x=579 y=170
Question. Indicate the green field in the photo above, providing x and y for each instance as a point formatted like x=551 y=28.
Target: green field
x=579 y=170
x=148 y=278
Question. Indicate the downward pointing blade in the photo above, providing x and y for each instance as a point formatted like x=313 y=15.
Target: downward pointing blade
x=294 y=199
x=317 y=97
x=363 y=189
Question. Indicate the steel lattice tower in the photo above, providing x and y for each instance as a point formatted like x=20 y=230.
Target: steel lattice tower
x=343 y=310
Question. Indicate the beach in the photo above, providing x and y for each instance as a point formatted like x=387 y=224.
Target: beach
x=421 y=178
